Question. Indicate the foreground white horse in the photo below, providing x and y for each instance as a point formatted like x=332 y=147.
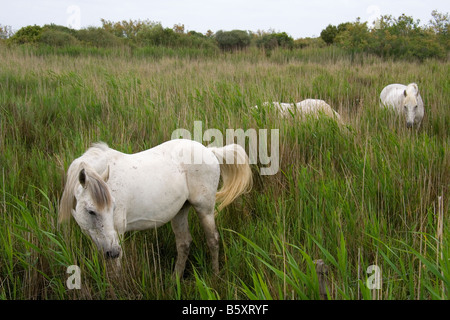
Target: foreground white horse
x=109 y=192
x=405 y=100
x=306 y=107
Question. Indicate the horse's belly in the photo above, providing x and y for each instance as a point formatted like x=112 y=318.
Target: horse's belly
x=151 y=193
x=154 y=209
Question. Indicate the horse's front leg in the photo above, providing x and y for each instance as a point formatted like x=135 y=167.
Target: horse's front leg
x=183 y=239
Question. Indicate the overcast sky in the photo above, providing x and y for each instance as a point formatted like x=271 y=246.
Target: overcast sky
x=299 y=18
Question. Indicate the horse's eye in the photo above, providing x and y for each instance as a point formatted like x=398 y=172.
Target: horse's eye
x=415 y=107
x=91 y=212
x=405 y=107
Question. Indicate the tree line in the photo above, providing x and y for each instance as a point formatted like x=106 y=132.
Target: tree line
x=143 y=33
x=401 y=37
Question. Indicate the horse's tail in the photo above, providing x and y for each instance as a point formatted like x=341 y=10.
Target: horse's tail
x=235 y=171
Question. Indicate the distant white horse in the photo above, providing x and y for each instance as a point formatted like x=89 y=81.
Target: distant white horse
x=109 y=192
x=405 y=100
x=306 y=107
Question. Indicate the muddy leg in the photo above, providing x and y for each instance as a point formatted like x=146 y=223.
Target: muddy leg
x=183 y=239
x=206 y=216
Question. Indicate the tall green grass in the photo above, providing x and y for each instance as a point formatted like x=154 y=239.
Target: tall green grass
x=365 y=194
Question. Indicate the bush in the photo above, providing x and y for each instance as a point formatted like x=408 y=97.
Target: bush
x=309 y=42
x=329 y=34
x=149 y=33
x=127 y=29
x=97 y=37
x=57 y=38
x=355 y=36
x=275 y=40
x=400 y=37
x=403 y=38
x=55 y=27
x=232 y=40
x=156 y=35
x=194 y=39
x=440 y=26
x=28 y=34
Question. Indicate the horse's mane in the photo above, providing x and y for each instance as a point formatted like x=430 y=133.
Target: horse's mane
x=96 y=186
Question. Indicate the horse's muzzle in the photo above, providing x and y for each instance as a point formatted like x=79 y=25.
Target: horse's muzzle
x=409 y=124
x=113 y=253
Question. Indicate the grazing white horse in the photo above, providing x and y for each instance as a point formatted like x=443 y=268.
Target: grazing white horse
x=405 y=100
x=305 y=107
x=109 y=192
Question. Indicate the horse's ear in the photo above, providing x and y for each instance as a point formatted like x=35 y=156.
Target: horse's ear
x=82 y=177
x=417 y=89
x=105 y=174
x=404 y=93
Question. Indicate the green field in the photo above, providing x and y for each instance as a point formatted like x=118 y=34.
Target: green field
x=354 y=196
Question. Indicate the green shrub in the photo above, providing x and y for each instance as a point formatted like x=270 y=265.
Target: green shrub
x=400 y=37
x=355 y=36
x=28 y=34
x=309 y=42
x=97 y=37
x=55 y=27
x=329 y=34
x=156 y=35
x=57 y=38
x=232 y=40
x=275 y=40
x=127 y=29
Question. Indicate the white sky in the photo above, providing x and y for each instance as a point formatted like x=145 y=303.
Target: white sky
x=299 y=18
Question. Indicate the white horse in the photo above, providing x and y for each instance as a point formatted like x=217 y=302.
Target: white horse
x=404 y=99
x=109 y=192
x=307 y=107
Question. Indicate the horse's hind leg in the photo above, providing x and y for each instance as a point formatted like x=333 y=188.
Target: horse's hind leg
x=183 y=238
x=203 y=180
x=206 y=216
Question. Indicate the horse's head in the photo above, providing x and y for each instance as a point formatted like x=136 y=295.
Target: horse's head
x=410 y=102
x=94 y=210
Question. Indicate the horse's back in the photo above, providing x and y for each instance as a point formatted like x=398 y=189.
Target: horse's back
x=315 y=106
x=312 y=105
x=392 y=89
x=391 y=95
x=191 y=164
